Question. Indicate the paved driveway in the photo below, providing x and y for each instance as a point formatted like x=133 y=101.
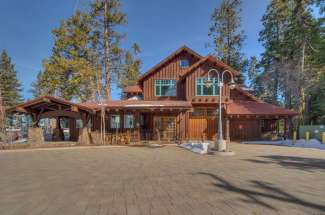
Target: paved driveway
x=170 y=180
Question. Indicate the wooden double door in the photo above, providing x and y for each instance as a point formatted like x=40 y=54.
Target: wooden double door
x=202 y=125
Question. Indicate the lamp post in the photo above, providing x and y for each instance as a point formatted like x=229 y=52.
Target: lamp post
x=220 y=142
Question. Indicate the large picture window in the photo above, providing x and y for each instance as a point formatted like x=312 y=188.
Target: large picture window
x=115 y=121
x=128 y=121
x=203 y=90
x=165 y=87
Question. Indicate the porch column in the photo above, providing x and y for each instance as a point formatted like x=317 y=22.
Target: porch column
x=137 y=124
x=58 y=133
x=72 y=129
x=286 y=128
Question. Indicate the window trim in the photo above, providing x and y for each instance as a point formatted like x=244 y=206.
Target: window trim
x=181 y=65
x=119 y=124
x=124 y=122
x=172 y=80
x=215 y=87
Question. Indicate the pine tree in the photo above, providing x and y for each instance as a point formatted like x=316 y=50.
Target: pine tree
x=131 y=71
x=107 y=17
x=9 y=84
x=291 y=36
x=71 y=70
x=227 y=35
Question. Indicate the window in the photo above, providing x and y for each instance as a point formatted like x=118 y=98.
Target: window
x=128 y=121
x=184 y=63
x=115 y=121
x=203 y=90
x=165 y=87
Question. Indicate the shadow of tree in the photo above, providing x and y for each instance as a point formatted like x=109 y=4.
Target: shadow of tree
x=263 y=190
x=301 y=163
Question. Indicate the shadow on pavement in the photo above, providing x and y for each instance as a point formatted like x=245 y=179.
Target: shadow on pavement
x=292 y=162
x=261 y=192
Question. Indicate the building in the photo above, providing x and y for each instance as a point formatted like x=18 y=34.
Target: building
x=171 y=102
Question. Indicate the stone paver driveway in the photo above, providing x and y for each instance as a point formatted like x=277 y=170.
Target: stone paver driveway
x=169 y=180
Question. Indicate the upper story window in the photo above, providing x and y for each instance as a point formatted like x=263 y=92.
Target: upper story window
x=203 y=90
x=184 y=63
x=165 y=87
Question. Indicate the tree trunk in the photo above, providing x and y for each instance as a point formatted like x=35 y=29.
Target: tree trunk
x=106 y=47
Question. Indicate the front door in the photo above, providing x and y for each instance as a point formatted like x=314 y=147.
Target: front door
x=165 y=127
x=202 y=124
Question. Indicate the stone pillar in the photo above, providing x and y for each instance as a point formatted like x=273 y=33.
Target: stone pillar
x=85 y=137
x=35 y=136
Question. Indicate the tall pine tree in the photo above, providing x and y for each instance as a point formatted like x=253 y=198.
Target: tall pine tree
x=71 y=70
x=292 y=37
x=107 y=17
x=227 y=35
x=131 y=70
x=9 y=84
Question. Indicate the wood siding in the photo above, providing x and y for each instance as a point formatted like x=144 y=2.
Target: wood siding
x=245 y=129
x=202 y=71
x=170 y=70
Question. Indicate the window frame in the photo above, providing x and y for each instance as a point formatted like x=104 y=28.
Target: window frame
x=159 y=83
x=119 y=121
x=184 y=66
x=125 y=118
x=215 y=86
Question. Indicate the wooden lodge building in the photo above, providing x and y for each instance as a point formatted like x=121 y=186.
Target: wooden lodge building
x=170 y=102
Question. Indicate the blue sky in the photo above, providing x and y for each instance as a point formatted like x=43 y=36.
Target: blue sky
x=159 y=27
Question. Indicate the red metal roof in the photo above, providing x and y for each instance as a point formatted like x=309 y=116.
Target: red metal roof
x=256 y=108
x=140 y=104
x=132 y=89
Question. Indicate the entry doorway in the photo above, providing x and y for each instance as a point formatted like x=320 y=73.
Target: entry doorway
x=202 y=124
x=166 y=125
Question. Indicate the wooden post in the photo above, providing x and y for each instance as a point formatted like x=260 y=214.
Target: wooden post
x=72 y=129
x=137 y=124
x=285 y=128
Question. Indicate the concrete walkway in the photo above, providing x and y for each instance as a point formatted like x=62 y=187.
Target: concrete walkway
x=169 y=180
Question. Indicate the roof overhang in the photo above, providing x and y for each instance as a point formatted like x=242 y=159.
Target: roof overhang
x=257 y=109
x=49 y=103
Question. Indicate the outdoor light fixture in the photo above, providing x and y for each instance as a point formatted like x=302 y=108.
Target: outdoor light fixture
x=220 y=144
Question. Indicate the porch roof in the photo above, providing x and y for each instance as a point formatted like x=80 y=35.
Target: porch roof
x=139 y=104
x=257 y=108
x=47 y=103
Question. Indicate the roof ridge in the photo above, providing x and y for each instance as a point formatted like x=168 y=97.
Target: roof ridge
x=169 y=57
x=209 y=56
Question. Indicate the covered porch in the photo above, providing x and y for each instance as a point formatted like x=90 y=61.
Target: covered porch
x=53 y=119
x=140 y=121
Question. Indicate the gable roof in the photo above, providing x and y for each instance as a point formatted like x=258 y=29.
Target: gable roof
x=212 y=59
x=167 y=59
x=46 y=100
